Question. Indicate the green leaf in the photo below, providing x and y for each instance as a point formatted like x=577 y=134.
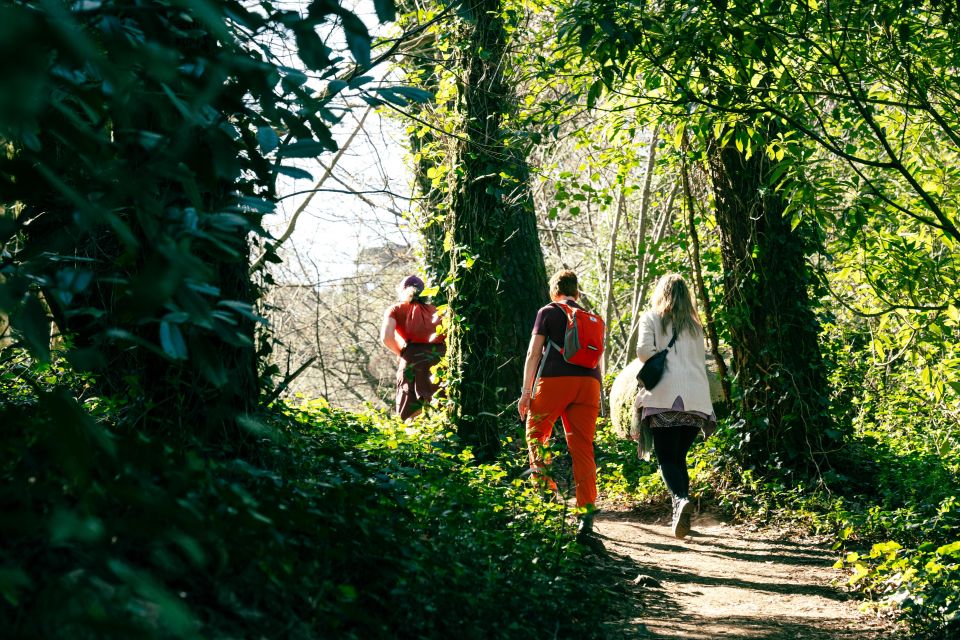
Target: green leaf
x=312 y=51
x=171 y=613
x=336 y=86
x=414 y=94
x=359 y=81
x=268 y=139
x=243 y=308
x=256 y=427
x=66 y=526
x=295 y=172
x=31 y=322
x=386 y=10
x=953 y=312
x=171 y=340
x=251 y=203
x=304 y=149
x=12 y=581
x=951 y=549
x=358 y=38
x=595 y=89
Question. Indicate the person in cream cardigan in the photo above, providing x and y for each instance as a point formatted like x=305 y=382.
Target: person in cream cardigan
x=679 y=406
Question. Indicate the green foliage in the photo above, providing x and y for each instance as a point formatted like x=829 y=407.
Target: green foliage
x=890 y=504
x=620 y=474
x=866 y=120
x=923 y=583
x=341 y=525
x=140 y=150
x=906 y=454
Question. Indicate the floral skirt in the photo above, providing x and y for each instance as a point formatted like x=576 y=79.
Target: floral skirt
x=642 y=430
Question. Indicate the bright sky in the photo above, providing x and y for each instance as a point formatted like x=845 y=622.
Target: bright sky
x=336 y=224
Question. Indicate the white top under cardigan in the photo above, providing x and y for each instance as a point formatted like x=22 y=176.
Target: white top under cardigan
x=685 y=374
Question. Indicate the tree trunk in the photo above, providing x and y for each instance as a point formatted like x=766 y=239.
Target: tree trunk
x=428 y=157
x=525 y=287
x=608 y=284
x=783 y=389
x=433 y=150
x=496 y=262
x=640 y=245
x=698 y=279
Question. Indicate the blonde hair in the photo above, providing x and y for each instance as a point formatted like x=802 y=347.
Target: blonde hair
x=564 y=283
x=676 y=307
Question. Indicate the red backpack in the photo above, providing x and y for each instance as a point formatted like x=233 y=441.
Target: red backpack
x=583 y=337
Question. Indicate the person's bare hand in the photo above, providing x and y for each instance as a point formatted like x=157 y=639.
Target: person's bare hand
x=523 y=405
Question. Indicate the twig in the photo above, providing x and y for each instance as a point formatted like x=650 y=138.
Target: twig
x=290 y=378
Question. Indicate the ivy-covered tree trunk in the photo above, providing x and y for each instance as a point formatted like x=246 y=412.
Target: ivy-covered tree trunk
x=525 y=286
x=783 y=389
x=496 y=260
x=430 y=204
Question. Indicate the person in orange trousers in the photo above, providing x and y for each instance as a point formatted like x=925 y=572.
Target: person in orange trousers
x=563 y=390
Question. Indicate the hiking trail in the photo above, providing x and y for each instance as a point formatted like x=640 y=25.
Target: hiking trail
x=729 y=582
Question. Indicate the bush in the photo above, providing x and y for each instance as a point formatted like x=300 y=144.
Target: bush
x=340 y=525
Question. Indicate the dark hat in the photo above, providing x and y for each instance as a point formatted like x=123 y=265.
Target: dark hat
x=412 y=281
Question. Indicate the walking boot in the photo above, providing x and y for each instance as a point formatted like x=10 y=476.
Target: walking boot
x=681 y=518
x=585 y=528
x=586 y=535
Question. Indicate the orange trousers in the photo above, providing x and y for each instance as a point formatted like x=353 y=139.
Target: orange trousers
x=576 y=400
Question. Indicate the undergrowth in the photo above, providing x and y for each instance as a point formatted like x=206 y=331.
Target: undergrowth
x=893 y=517
x=338 y=525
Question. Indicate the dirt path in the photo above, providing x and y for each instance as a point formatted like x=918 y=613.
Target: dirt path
x=729 y=583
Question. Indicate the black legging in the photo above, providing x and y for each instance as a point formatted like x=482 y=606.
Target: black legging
x=671 y=445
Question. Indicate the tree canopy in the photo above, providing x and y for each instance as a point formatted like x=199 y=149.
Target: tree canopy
x=796 y=161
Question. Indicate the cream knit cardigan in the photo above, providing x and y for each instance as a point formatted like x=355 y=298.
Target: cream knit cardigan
x=685 y=374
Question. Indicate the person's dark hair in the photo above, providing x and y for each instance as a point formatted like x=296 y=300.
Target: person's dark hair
x=410 y=289
x=564 y=283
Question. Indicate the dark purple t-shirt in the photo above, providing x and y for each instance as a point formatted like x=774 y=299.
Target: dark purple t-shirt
x=552 y=323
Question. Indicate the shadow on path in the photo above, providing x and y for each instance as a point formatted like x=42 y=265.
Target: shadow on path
x=726 y=582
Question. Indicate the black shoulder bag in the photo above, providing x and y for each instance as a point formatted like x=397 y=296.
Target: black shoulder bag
x=652 y=370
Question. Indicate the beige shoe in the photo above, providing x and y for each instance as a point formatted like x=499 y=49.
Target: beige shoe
x=681 y=518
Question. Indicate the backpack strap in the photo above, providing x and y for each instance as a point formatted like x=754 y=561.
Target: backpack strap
x=550 y=343
x=568 y=311
x=569 y=315
x=543 y=361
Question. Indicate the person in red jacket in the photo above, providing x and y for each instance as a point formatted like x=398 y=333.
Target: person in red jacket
x=411 y=330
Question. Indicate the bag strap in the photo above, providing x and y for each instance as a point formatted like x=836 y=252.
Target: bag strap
x=567 y=310
x=672 y=340
x=543 y=361
x=550 y=343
